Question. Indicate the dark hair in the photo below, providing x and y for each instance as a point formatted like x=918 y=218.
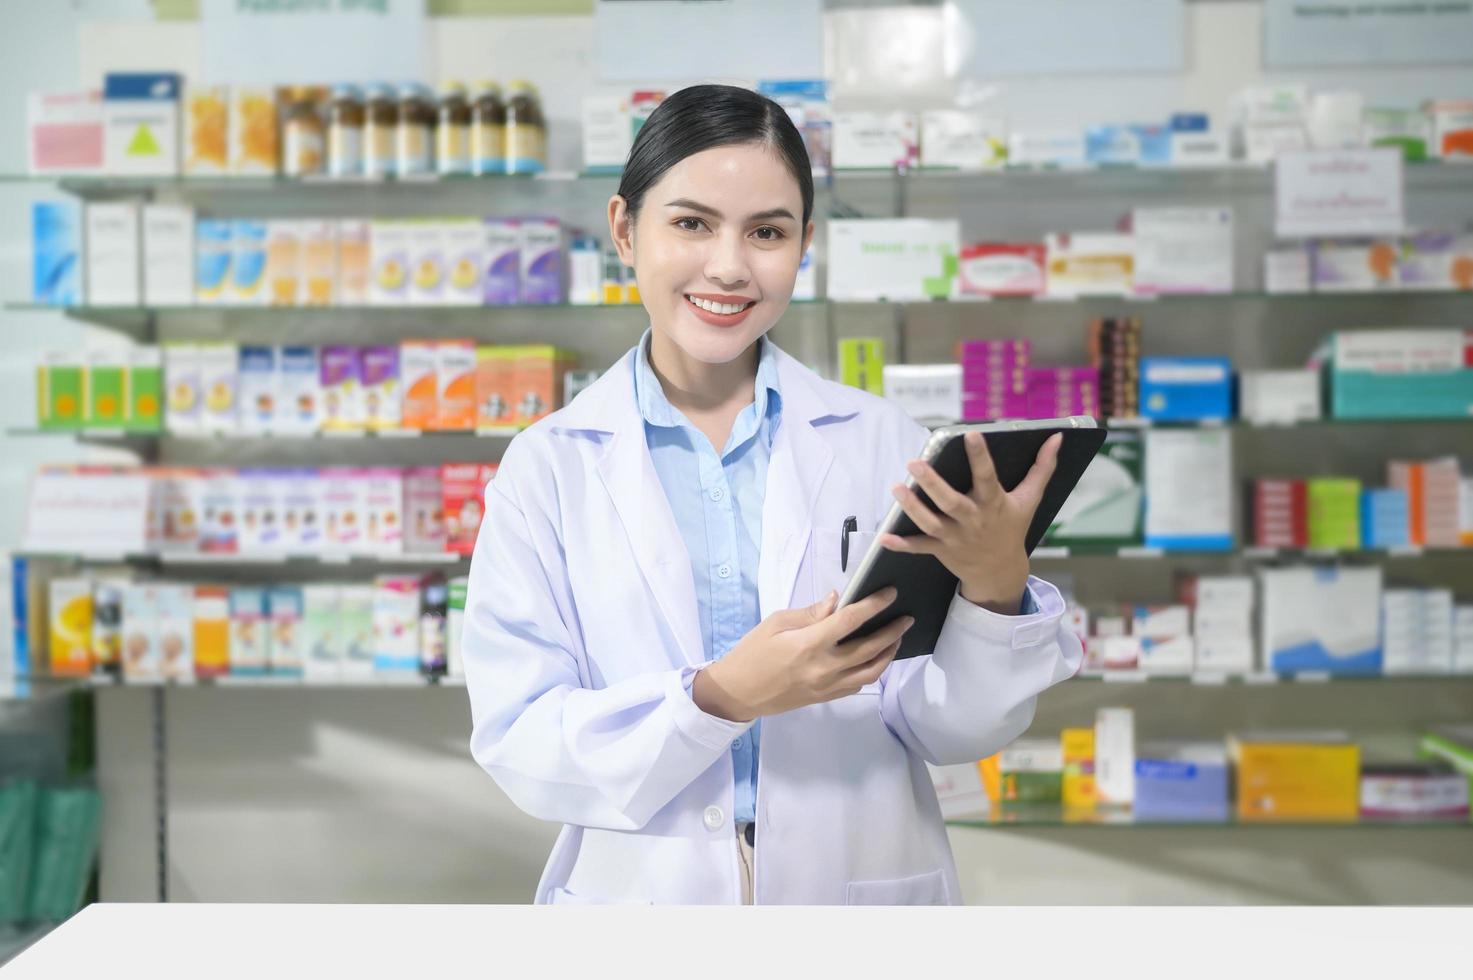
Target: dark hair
x=704 y=116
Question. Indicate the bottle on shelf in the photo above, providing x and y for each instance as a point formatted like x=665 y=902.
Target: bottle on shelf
x=304 y=136
x=488 y=130
x=415 y=143
x=345 y=120
x=453 y=131
x=379 y=132
x=526 y=130
x=433 y=611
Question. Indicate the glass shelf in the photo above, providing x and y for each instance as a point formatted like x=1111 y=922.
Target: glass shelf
x=1024 y=816
x=237 y=559
x=35 y=686
x=1252 y=553
x=1264 y=679
x=417 y=435
x=1107 y=178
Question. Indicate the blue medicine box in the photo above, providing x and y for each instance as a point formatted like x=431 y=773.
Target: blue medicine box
x=1186 y=389
x=1181 y=783
x=1385 y=518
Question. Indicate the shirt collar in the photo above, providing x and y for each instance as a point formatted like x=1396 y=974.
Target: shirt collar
x=657 y=410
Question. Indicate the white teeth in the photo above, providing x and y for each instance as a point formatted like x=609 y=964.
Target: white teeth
x=725 y=308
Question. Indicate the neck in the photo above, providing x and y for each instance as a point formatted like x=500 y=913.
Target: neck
x=697 y=387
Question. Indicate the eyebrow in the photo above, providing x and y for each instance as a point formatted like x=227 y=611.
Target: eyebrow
x=687 y=203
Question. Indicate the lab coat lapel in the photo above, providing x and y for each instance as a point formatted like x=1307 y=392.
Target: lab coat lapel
x=629 y=475
x=800 y=460
x=608 y=407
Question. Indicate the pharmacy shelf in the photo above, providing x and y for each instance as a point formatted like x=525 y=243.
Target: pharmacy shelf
x=1251 y=553
x=378 y=435
x=387 y=682
x=1102 y=178
x=1026 y=816
x=1041 y=553
x=252 y=560
x=1265 y=679
x=138 y=320
x=103 y=435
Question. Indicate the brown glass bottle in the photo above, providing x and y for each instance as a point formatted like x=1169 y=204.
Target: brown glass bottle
x=416 y=133
x=453 y=131
x=381 y=121
x=526 y=131
x=488 y=130
x=345 y=118
x=304 y=135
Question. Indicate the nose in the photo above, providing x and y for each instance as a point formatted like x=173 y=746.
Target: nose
x=726 y=264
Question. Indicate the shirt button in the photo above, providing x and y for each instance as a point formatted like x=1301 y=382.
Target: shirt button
x=724 y=571
x=737 y=744
x=713 y=818
x=717 y=493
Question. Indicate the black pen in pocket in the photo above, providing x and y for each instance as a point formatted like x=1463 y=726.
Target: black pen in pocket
x=851 y=524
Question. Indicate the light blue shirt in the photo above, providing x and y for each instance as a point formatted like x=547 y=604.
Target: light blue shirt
x=717 y=502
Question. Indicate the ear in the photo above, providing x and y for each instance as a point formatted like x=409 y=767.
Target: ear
x=807 y=238
x=621 y=229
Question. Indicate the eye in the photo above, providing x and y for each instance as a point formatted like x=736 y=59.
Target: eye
x=775 y=236
x=684 y=223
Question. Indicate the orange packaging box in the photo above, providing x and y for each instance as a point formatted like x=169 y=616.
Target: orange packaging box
x=70 y=635
x=211 y=630
x=1296 y=780
x=455 y=384
x=419 y=380
x=495 y=381
x=539 y=381
x=1079 y=768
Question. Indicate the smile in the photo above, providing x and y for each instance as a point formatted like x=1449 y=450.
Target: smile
x=719 y=314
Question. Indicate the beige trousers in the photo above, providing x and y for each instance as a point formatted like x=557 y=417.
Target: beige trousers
x=745 y=856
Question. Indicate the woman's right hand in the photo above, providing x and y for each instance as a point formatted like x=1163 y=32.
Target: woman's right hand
x=795 y=658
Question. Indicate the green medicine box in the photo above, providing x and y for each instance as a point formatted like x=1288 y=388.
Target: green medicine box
x=59 y=392
x=144 y=385
x=104 y=399
x=862 y=363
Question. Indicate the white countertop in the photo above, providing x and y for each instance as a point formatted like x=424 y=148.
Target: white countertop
x=408 y=942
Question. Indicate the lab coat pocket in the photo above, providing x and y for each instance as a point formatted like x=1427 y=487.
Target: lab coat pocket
x=827 y=567
x=829 y=570
x=923 y=889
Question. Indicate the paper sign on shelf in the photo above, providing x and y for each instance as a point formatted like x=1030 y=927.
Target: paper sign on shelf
x=319 y=43
x=1338 y=192
x=88 y=512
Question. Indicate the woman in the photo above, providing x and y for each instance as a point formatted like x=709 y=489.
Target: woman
x=651 y=643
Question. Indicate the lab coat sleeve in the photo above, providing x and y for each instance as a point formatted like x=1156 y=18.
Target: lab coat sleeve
x=610 y=757
x=977 y=690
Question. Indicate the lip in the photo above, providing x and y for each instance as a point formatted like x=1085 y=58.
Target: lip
x=727 y=298
x=721 y=319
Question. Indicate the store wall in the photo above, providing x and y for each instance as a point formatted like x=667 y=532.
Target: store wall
x=354 y=795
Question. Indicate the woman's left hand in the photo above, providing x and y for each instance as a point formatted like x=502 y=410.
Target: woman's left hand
x=979 y=535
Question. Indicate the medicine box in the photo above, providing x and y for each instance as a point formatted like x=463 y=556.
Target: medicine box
x=862 y=363
x=395 y=624
x=248 y=283
x=56 y=253
x=1296 y=777
x=1181 y=781
x=64 y=132
x=140 y=118
x=340 y=392
x=1181 y=389
x=250 y=631
x=213 y=254
x=1403 y=373
x=1321 y=619
x=1002 y=269
x=168 y=255
x=541 y=261
x=501 y=260
x=321 y=633
x=895 y=259
x=113 y=276
x=211 y=630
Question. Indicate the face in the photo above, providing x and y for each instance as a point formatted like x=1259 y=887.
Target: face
x=715 y=248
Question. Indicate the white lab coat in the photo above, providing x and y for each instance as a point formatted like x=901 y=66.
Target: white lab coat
x=581 y=631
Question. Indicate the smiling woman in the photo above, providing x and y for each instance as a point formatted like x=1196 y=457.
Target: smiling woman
x=650 y=619
x=714 y=214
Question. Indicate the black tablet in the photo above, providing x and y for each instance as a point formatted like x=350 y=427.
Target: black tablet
x=925 y=586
